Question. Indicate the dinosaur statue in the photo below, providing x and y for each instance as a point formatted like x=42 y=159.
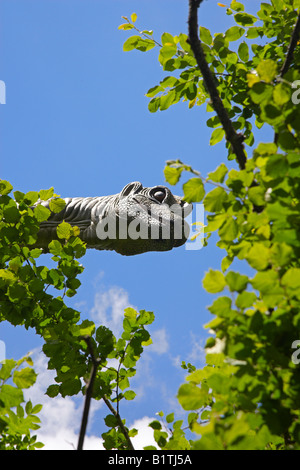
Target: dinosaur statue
x=134 y=221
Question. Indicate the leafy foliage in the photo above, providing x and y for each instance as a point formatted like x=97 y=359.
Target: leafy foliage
x=25 y=300
x=16 y=421
x=248 y=394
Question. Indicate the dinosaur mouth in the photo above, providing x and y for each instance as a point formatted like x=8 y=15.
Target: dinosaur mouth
x=137 y=227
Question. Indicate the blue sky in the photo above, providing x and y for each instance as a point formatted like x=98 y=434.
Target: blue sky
x=76 y=118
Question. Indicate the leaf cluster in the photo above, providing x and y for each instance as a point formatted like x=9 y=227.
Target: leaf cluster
x=17 y=421
x=35 y=296
x=247 y=396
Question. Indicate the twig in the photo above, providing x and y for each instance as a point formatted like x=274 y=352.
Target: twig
x=141 y=32
x=291 y=48
x=88 y=394
x=118 y=417
x=235 y=139
x=289 y=57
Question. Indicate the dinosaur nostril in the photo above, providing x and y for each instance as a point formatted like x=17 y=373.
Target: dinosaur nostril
x=159 y=195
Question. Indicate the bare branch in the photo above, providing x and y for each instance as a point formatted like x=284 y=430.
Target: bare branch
x=293 y=43
x=234 y=138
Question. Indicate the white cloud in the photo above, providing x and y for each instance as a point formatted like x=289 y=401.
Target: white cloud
x=197 y=354
x=109 y=308
x=160 y=343
x=145 y=433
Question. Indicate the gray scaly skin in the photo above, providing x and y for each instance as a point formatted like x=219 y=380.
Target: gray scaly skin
x=153 y=208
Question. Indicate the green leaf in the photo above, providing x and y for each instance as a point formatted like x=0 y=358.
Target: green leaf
x=216 y=136
x=153 y=105
x=213 y=201
x=236 y=282
x=52 y=391
x=126 y=26
x=193 y=190
x=28 y=407
x=7 y=276
x=267 y=70
x=86 y=328
x=245 y=300
x=265 y=149
x=41 y=213
x=145 y=317
x=261 y=92
x=55 y=247
x=129 y=395
x=245 y=19
x=281 y=254
x=258 y=256
x=167 y=100
x=243 y=52
x=253 y=32
x=155 y=425
x=105 y=339
x=56 y=205
x=70 y=386
x=214 y=281
x=281 y=94
x=291 y=280
x=19 y=196
x=167 y=39
x=219 y=174
x=170 y=418
x=36 y=252
x=172 y=175
x=221 y=306
x=191 y=397
x=166 y=52
x=131 y=43
x=10 y=396
x=5 y=187
x=6 y=369
x=36 y=409
x=256 y=195
x=24 y=378
x=229 y=230
x=64 y=230
x=236 y=6
x=31 y=197
x=46 y=194
x=111 y=421
x=266 y=282
x=145 y=45
x=133 y=17
x=205 y=35
x=11 y=215
x=234 y=33
x=154 y=91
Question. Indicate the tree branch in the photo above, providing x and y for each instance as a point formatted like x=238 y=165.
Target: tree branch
x=291 y=48
x=289 y=57
x=118 y=417
x=234 y=138
x=88 y=394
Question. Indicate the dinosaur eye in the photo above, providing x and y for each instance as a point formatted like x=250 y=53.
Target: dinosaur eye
x=159 y=195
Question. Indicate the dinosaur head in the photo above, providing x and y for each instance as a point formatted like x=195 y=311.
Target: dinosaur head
x=141 y=219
